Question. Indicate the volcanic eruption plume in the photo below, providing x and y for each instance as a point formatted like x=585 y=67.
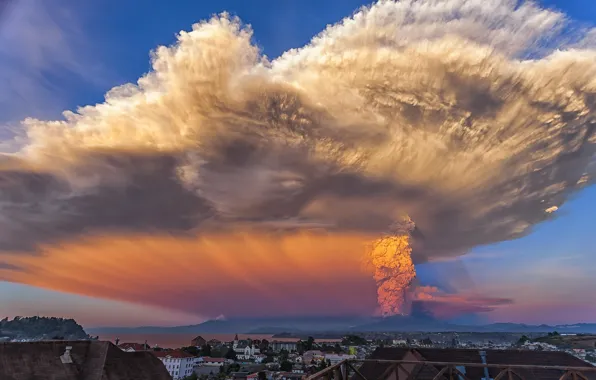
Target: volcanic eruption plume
x=394 y=272
x=475 y=118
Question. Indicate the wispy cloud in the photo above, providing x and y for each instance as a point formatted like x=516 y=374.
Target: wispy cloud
x=41 y=46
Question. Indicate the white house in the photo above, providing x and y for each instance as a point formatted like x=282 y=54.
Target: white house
x=178 y=363
x=259 y=358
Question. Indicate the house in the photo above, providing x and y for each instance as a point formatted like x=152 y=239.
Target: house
x=77 y=360
x=499 y=358
x=212 y=362
x=312 y=355
x=288 y=376
x=199 y=341
x=239 y=375
x=259 y=358
x=214 y=342
x=336 y=358
x=208 y=371
x=178 y=363
x=133 y=347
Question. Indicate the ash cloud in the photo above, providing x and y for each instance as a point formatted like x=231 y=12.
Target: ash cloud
x=429 y=300
x=105 y=192
x=472 y=119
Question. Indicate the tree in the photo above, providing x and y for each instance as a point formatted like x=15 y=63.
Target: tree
x=206 y=350
x=268 y=359
x=323 y=364
x=283 y=355
x=193 y=376
x=264 y=345
x=235 y=367
x=219 y=352
x=192 y=350
x=262 y=375
x=310 y=342
x=338 y=348
x=231 y=354
x=523 y=340
x=286 y=366
x=354 y=340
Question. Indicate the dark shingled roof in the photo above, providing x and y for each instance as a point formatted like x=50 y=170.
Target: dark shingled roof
x=376 y=371
x=91 y=360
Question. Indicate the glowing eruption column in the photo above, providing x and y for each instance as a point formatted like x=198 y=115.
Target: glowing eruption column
x=394 y=272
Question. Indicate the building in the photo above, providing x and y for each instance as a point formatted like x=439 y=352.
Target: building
x=437 y=363
x=134 y=347
x=277 y=346
x=245 y=349
x=336 y=358
x=178 y=363
x=211 y=362
x=312 y=355
x=199 y=341
x=77 y=360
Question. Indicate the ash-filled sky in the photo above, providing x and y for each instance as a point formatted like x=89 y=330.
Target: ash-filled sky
x=246 y=166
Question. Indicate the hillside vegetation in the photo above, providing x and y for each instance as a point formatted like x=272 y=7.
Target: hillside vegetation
x=41 y=328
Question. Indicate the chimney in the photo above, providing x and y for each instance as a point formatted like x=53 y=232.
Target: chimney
x=66 y=358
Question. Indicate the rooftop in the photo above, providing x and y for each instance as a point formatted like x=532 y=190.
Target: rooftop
x=435 y=364
x=176 y=354
x=134 y=346
x=213 y=360
x=77 y=360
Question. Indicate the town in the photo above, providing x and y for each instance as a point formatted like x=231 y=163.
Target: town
x=297 y=358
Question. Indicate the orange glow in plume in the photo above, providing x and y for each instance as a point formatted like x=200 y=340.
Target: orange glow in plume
x=394 y=272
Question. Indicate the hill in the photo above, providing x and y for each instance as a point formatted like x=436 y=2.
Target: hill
x=41 y=328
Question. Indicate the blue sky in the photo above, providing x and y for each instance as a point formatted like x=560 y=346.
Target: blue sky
x=69 y=55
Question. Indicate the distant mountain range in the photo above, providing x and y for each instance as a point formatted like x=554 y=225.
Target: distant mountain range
x=336 y=325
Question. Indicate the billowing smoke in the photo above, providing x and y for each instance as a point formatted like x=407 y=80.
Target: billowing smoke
x=394 y=272
x=475 y=118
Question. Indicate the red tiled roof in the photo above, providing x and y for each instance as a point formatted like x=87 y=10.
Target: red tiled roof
x=210 y=359
x=177 y=354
